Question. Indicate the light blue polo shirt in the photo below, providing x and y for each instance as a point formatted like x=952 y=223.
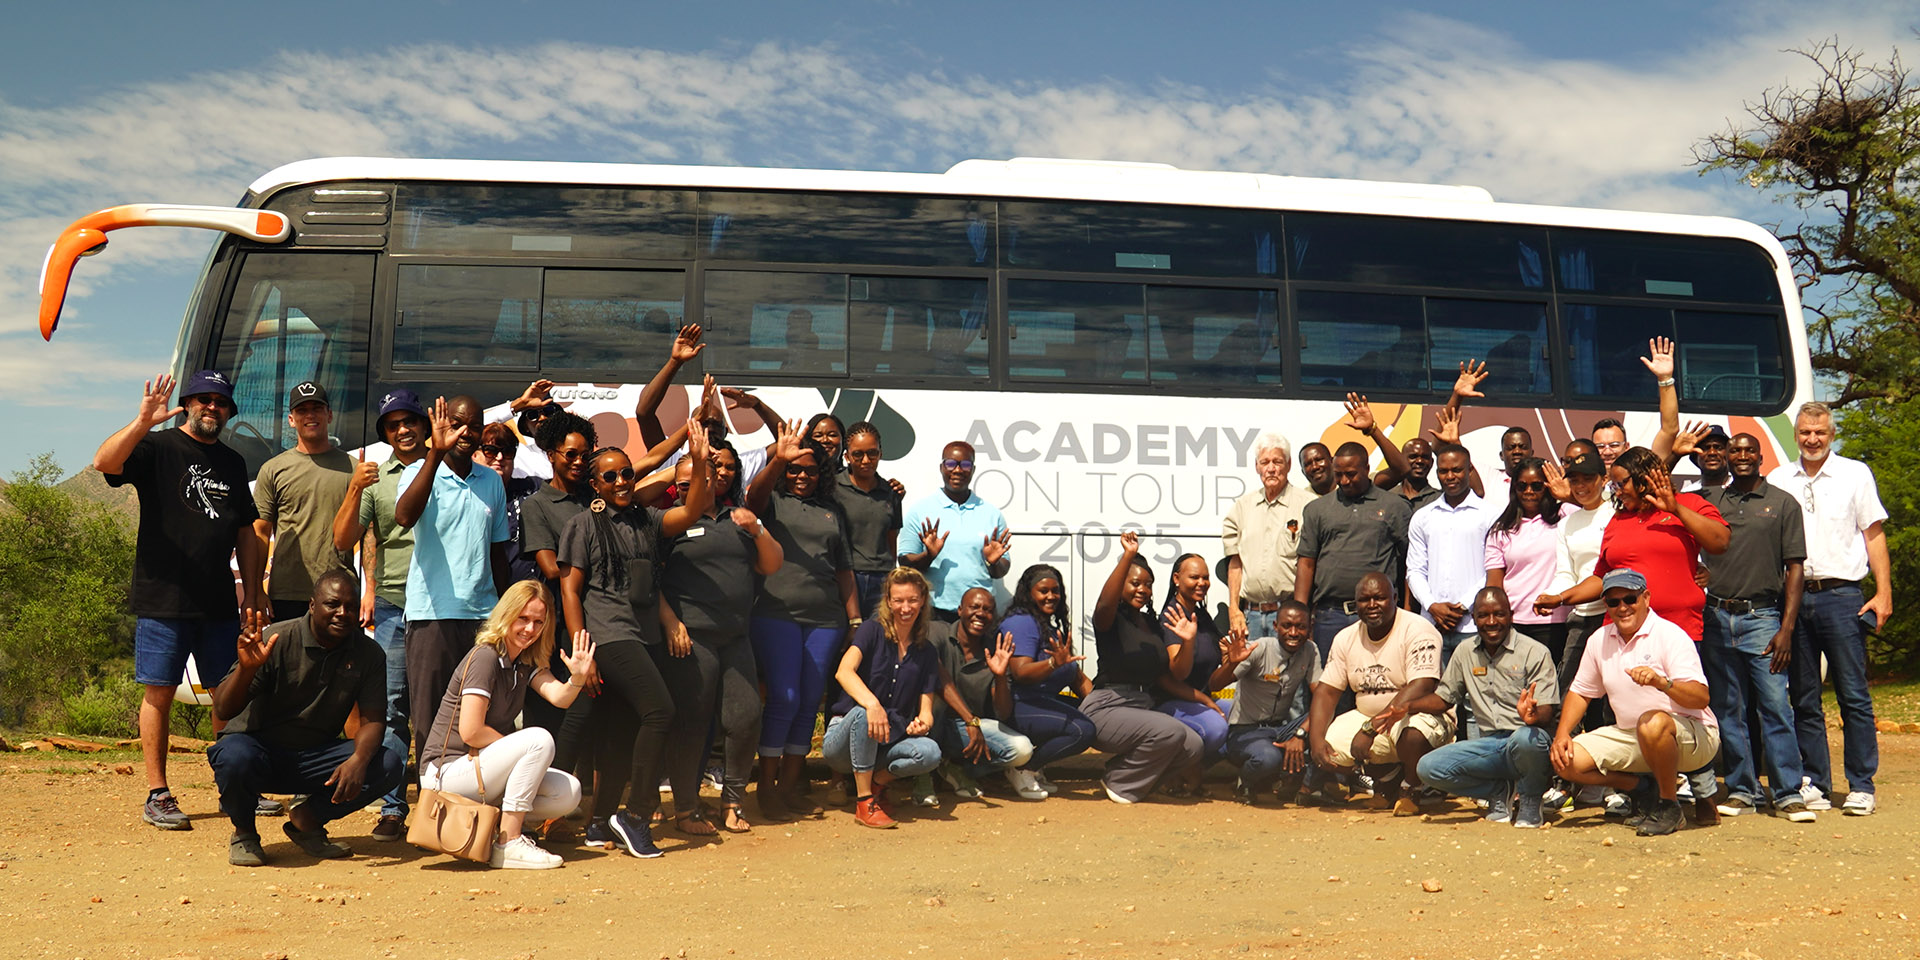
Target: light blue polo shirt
x=450 y=576
x=960 y=566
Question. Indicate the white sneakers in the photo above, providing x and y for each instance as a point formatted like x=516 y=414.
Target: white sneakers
x=1116 y=798
x=1815 y=799
x=1040 y=780
x=521 y=853
x=1026 y=784
x=1858 y=804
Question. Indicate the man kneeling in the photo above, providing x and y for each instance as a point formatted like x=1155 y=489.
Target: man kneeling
x=1650 y=673
x=285 y=703
x=1510 y=682
x=1389 y=658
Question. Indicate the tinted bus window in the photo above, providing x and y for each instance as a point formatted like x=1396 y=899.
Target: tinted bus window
x=1111 y=238
x=1604 y=347
x=1729 y=357
x=1224 y=338
x=917 y=327
x=1655 y=265
x=294 y=317
x=621 y=319
x=1511 y=337
x=776 y=323
x=1361 y=341
x=534 y=221
x=1082 y=332
x=837 y=228
x=468 y=316
x=1417 y=253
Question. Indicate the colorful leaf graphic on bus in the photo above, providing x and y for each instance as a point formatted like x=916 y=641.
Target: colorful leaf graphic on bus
x=853 y=406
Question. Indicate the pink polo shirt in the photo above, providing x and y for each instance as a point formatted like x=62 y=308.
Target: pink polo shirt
x=1660 y=644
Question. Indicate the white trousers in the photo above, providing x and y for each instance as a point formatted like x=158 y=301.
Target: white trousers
x=518 y=772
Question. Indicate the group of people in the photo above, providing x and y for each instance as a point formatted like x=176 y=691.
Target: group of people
x=540 y=612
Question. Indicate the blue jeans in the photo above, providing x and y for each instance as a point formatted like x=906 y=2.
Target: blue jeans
x=1483 y=767
x=1738 y=668
x=1004 y=747
x=1203 y=720
x=1328 y=621
x=1058 y=729
x=1829 y=624
x=866 y=586
x=390 y=632
x=793 y=661
x=1252 y=750
x=1260 y=623
x=244 y=768
x=1450 y=640
x=848 y=747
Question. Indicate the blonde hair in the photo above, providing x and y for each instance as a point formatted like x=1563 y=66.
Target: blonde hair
x=883 y=611
x=494 y=632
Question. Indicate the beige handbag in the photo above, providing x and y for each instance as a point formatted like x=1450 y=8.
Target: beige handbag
x=449 y=823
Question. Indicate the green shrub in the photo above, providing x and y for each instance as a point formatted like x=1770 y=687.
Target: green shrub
x=107 y=707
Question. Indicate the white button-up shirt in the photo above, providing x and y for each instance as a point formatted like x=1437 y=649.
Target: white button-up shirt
x=1446 y=553
x=1838 y=504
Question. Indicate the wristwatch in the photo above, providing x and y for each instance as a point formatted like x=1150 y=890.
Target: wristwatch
x=1366 y=727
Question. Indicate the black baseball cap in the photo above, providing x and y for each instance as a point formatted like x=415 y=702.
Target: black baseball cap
x=306 y=391
x=1588 y=464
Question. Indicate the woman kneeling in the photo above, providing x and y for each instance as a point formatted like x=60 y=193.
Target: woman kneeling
x=889 y=673
x=473 y=749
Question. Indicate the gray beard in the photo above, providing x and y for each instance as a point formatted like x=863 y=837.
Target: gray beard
x=199 y=428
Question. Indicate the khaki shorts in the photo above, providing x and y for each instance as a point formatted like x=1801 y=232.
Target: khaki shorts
x=1437 y=728
x=1617 y=750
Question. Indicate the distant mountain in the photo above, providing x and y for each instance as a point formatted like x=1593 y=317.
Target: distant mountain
x=90 y=485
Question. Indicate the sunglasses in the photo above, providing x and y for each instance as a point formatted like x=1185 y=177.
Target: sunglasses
x=1626 y=601
x=496 y=450
x=1533 y=485
x=623 y=474
x=208 y=400
x=863 y=455
x=956 y=464
x=798 y=471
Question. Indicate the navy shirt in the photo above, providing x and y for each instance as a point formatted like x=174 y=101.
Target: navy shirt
x=1131 y=651
x=1206 y=646
x=1030 y=639
x=897 y=680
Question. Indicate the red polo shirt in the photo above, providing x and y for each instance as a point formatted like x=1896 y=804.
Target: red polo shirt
x=1657 y=544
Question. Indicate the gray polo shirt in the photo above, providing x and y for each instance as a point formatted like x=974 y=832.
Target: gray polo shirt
x=873 y=522
x=302 y=694
x=1348 y=537
x=1492 y=682
x=806 y=589
x=1272 y=685
x=1768 y=533
x=608 y=557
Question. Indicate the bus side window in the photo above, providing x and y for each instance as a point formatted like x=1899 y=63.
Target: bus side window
x=776 y=323
x=295 y=317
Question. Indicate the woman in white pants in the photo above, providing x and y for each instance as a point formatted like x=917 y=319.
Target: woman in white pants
x=473 y=740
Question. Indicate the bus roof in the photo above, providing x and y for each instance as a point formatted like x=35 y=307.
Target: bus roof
x=1038 y=178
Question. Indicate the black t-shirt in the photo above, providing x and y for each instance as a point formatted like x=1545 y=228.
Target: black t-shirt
x=873 y=522
x=710 y=580
x=544 y=515
x=193 y=503
x=302 y=694
x=607 y=603
x=1131 y=651
x=814 y=541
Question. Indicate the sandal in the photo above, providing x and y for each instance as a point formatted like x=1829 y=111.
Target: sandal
x=694 y=825
x=736 y=814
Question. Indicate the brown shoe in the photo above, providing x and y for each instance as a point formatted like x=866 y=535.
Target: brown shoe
x=1405 y=806
x=1705 y=814
x=869 y=813
x=390 y=827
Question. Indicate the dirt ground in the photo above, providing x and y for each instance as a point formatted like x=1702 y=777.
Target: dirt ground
x=1074 y=876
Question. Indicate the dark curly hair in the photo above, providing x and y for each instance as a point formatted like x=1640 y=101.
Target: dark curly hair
x=1641 y=465
x=557 y=427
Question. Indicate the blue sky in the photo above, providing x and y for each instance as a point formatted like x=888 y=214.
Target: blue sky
x=117 y=102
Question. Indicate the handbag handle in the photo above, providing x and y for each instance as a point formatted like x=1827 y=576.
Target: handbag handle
x=454 y=721
x=472 y=834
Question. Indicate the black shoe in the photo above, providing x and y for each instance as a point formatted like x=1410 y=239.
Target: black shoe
x=1644 y=796
x=1664 y=818
x=633 y=835
x=316 y=843
x=600 y=834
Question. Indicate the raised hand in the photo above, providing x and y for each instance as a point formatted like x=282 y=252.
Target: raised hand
x=1129 y=542
x=580 y=661
x=1527 y=707
x=786 y=446
x=1448 y=430
x=1001 y=655
x=250 y=650
x=1557 y=483
x=686 y=344
x=154 y=410
x=737 y=398
x=1234 y=650
x=1688 y=440
x=931 y=538
x=994 y=547
x=1471 y=373
x=365 y=474
x=1660 y=364
x=698 y=448
x=746 y=520
x=1060 y=653
x=1659 y=491
x=709 y=399
x=445 y=431
x=1182 y=625
x=1359 y=414
x=536 y=394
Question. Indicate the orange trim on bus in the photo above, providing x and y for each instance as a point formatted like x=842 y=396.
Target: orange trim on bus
x=88 y=235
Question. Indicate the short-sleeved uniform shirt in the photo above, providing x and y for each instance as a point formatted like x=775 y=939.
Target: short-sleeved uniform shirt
x=1349 y=537
x=1030 y=639
x=1655 y=543
x=1767 y=535
x=960 y=566
x=301 y=695
x=629 y=535
x=898 y=680
x=396 y=541
x=1660 y=644
x=1377 y=670
x=1265 y=535
x=873 y=522
x=450 y=576
x=1206 y=647
x=298 y=494
x=970 y=675
x=1273 y=685
x=710 y=581
x=813 y=540
x=1492 y=681
x=193 y=504
x=1132 y=651
x=1837 y=505
x=484 y=672
x=544 y=515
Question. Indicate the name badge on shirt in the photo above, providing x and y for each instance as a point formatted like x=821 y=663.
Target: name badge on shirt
x=1270 y=677
x=1479 y=671
x=696 y=532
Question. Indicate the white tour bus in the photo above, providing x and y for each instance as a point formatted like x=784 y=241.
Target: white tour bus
x=1110 y=337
